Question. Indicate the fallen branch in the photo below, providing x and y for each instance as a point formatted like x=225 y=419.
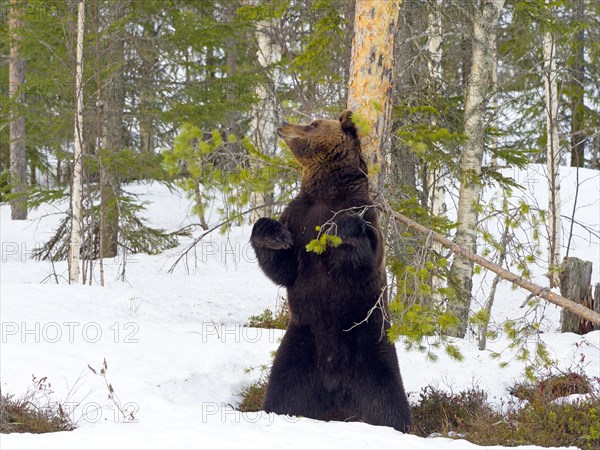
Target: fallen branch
x=536 y=289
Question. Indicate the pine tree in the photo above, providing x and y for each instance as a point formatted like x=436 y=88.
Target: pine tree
x=371 y=76
x=18 y=160
x=577 y=87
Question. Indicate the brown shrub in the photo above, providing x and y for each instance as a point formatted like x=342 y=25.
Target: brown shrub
x=34 y=412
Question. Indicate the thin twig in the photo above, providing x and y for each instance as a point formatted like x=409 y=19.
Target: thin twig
x=379 y=304
x=215 y=227
x=574 y=210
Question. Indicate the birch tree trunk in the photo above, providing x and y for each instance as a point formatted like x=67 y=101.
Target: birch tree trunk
x=16 y=78
x=265 y=118
x=553 y=157
x=75 y=246
x=371 y=75
x=485 y=20
x=436 y=177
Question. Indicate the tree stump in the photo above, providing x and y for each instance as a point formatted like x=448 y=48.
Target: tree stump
x=595 y=305
x=575 y=284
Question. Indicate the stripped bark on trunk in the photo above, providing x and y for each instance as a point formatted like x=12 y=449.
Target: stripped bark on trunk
x=371 y=75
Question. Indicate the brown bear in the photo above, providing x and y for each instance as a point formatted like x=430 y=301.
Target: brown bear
x=335 y=361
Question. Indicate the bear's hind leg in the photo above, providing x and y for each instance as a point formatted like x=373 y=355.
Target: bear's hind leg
x=377 y=394
x=294 y=387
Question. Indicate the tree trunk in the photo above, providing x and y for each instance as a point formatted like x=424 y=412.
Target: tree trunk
x=16 y=78
x=466 y=47
x=75 y=247
x=147 y=87
x=485 y=20
x=489 y=303
x=595 y=153
x=110 y=190
x=233 y=120
x=495 y=124
x=113 y=137
x=266 y=115
x=553 y=157
x=577 y=90
x=575 y=284
x=403 y=163
x=436 y=178
x=371 y=75
x=595 y=306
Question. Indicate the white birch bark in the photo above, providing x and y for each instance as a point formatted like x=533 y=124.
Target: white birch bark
x=485 y=21
x=553 y=157
x=77 y=159
x=265 y=118
x=436 y=178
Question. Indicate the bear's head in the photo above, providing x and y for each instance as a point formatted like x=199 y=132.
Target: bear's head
x=325 y=145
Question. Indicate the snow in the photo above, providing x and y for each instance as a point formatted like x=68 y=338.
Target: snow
x=177 y=351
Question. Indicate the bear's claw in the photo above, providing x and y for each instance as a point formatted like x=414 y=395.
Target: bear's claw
x=351 y=226
x=269 y=233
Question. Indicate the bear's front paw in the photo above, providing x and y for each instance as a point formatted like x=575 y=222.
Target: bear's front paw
x=269 y=233
x=351 y=226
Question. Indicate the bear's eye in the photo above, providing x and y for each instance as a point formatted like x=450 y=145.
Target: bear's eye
x=313 y=125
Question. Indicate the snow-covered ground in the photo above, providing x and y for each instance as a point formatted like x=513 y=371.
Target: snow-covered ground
x=178 y=353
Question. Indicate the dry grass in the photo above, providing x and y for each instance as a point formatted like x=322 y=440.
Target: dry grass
x=252 y=396
x=553 y=386
x=34 y=412
x=536 y=420
x=539 y=420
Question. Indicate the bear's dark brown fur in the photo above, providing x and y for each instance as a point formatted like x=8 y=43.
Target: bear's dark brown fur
x=332 y=364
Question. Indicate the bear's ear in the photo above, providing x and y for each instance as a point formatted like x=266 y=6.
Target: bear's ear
x=347 y=124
